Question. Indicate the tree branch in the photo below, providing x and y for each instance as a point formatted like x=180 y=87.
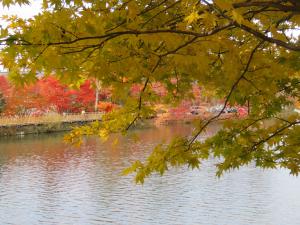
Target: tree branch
x=271 y=4
x=233 y=87
x=121 y=33
x=274 y=134
x=140 y=101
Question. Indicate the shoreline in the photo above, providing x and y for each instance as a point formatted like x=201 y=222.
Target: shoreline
x=54 y=127
x=12 y=126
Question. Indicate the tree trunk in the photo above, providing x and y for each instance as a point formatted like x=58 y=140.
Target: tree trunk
x=98 y=84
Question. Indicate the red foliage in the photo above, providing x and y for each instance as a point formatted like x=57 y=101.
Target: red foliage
x=242 y=111
x=20 y=100
x=83 y=98
x=48 y=94
x=159 y=89
x=54 y=93
x=136 y=89
x=4 y=85
x=180 y=111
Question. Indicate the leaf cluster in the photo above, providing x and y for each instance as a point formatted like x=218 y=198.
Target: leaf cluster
x=244 y=52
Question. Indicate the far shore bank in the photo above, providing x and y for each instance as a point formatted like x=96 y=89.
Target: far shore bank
x=14 y=130
x=10 y=126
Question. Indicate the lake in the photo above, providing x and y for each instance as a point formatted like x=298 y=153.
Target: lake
x=44 y=181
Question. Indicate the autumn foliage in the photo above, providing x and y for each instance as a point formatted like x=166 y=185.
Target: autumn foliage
x=106 y=106
x=47 y=95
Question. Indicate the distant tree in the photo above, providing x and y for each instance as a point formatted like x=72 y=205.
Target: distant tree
x=22 y=100
x=48 y=94
x=56 y=94
x=2 y=102
x=5 y=87
x=83 y=98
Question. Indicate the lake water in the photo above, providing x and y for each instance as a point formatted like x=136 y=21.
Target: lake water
x=44 y=181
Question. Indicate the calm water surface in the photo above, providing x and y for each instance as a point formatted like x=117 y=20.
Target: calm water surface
x=44 y=181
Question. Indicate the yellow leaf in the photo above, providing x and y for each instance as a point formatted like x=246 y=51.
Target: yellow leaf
x=223 y=4
x=103 y=134
x=192 y=17
x=132 y=9
x=237 y=17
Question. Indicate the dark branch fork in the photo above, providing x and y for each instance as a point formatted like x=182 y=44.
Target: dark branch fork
x=254 y=32
x=140 y=101
x=274 y=134
x=233 y=87
x=270 y=4
x=152 y=71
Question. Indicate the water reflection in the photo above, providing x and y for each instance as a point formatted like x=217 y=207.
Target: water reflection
x=43 y=181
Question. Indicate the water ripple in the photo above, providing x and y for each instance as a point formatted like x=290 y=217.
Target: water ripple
x=43 y=181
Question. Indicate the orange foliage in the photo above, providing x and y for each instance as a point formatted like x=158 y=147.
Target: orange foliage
x=106 y=106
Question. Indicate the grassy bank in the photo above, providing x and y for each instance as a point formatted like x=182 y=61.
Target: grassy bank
x=44 y=124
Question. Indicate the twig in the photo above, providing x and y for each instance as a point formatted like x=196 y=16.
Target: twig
x=233 y=87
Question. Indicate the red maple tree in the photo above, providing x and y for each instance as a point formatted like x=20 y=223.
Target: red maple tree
x=48 y=94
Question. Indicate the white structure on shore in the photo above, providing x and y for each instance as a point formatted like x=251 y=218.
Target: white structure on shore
x=3 y=73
